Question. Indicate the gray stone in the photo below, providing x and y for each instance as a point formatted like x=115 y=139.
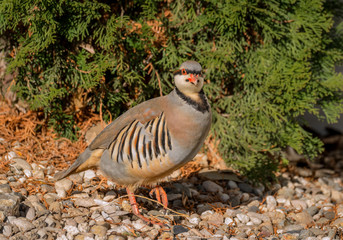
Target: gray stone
x=5 y=188
x=212 y=186
x=174 y=196
x=317 y=231
x=339 y=210
x=84 y=202
x=42 y=233
x=253 y=209
x=332 y=233
x=9 y=204
x=2 y=216
x=23 y=224
x=294 y=228
x=55 y=207
x=50 y=221
x=232 y=184
x=224 y=197
x=235 y=201
x=50 y=197
x=7 y=230
x=245 y=187
x=337 y=196
x=303 y=218
x=329 y=215
x=62 y=186
x=313 y=210
x=262 y=217
x=245 y=197
x=22 y=164
x=305 y=233
x=31 y=214
x=180 y=188
x=177 y=229
x=286 y=192
x=338 y=223
x=47 y=188
x=299 y=204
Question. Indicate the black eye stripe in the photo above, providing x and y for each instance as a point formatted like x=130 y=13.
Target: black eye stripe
x=178 y=72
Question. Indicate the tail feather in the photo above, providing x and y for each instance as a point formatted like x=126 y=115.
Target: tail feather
x=87 y=160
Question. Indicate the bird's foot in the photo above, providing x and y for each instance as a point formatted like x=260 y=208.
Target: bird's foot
x=160 y=194
x=135 y=210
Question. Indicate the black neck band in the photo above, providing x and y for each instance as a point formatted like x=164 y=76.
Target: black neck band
x=201 y=106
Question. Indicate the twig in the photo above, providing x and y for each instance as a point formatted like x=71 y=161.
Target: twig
x=152 y=200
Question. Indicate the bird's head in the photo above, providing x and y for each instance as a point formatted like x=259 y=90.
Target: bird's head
x=188 y=78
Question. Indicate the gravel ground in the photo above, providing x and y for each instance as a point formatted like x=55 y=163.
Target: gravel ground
x=306 y=203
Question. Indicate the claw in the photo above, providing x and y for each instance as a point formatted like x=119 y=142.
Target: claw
x=160 y=194
x=134 y=206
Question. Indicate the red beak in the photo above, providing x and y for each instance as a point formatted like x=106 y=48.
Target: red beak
x=192 y=78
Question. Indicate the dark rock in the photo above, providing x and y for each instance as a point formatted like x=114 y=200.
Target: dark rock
x=245 y=187
x=177 y=229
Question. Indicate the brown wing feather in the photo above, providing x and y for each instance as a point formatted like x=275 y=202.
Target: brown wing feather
x=143 y=112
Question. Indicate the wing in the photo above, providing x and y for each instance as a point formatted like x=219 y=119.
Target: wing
x=143 y=113
x=139 y=142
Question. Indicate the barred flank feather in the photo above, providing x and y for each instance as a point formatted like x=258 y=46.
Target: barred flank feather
x=137 y=142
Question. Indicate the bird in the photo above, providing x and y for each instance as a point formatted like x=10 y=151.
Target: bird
x=151 y=140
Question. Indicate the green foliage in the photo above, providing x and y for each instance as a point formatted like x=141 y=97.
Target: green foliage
x=267 y=63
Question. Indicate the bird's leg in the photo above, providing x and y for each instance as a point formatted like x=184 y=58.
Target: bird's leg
x=134 y=206
x=160 y=193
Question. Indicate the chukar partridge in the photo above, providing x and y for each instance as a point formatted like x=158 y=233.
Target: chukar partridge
x=151 y=140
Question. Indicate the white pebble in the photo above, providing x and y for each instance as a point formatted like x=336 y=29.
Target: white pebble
x=242 y=218
x=63 y=237
x=83 y=227
x=229 y=221
x=281 y=200
x=11 y=155
x=138 y=225
x=89 y=174
x=27 y=173
x=72 y=230
x=22 y=179
x=194 y=220
x=255 y=221
x=271 y=203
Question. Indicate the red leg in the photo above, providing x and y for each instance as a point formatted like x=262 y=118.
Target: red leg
x=159 y=192
x=135 y=209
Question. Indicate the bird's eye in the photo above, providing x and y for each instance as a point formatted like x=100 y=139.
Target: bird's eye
x=187 y=80
x=183 y=71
